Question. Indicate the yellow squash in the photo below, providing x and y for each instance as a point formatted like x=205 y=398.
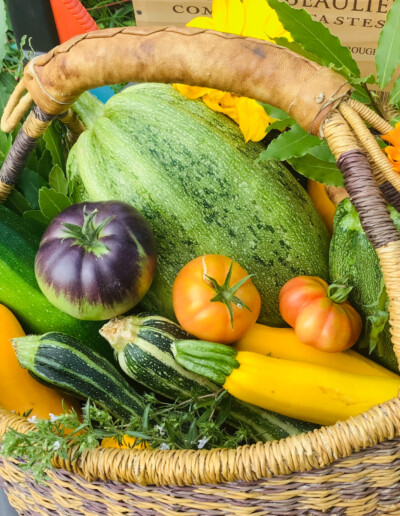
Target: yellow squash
x=19 y=391
x=299 y=390
x=322 y=202
x=283 y=343
x=127 y=442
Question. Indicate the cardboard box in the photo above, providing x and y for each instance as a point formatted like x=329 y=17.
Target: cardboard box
x=357 y=23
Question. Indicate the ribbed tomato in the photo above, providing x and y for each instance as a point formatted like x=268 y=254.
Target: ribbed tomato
x=214 y=299
x=320 y=314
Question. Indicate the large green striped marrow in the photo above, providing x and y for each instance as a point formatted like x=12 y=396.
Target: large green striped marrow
x=142 y=346
x=63 y=362
x=189 y=172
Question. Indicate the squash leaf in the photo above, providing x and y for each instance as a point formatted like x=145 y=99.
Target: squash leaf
x=45 y=164
x=52 y=138
x=319 y=170
x=315 y=38
x=58 y=181
x=387 y=55
x=52 y=202
x=293 y=143
x=17 y=202
x=38 y=219
x=29 y=185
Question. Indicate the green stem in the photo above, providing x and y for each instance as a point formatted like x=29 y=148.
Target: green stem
x=339 y=292
x=214 y=361
x=226 y=294
x=374 y=104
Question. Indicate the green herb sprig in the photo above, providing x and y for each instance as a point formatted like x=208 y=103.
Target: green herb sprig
x=190 y=424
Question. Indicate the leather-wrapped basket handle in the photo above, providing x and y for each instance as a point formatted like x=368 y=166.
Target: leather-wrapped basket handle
x=246 y=66
x=315 y=96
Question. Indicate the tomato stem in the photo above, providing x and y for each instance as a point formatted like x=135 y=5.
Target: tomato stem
x=339 y=292
x=226 y=294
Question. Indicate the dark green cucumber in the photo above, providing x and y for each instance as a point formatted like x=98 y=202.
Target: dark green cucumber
x=201 y=188
x=20 y=292
x=352 y=257
x=142 y=346
x=63 y=362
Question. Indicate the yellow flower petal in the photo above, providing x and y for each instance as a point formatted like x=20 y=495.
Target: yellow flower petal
x=393 y=136
x=202 y=22
x=228 y=16
x=253 y=120
x=191 y=92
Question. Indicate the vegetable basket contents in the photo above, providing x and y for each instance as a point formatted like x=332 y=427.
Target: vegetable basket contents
x=183 y=327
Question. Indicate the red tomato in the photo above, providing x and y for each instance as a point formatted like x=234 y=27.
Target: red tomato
x=214 y=299
x=323 y=320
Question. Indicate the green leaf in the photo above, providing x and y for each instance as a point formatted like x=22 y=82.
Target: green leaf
x=280 y=125
x=8 y=82
x=370 y=79
x=53 y=143
x=58 y=181
x=29 y=185
x=274 y=112
x=17 y=202
x=395 y=120
x=293 y=143
x=297 y=48
x=387 y=54
x=316 y=169
x=322 y=152
x=38 y=219
x=315 y=38
x=4 y=96
x=52 y=202
x=45 y=164
x=395 y=93
x=3 y=30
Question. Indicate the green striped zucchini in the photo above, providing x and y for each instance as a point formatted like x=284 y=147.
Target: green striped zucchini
x=63 y=362
x=189 y=172
x=142 y=345
x=20 y=292
x=353 y=257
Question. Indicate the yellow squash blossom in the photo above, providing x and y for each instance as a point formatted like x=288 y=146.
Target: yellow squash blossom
x=393 y=151
x=252 y=18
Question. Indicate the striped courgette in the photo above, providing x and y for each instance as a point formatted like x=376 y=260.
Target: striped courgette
x=61 y=361
x=142 y=344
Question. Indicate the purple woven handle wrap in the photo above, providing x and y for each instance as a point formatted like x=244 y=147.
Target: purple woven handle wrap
x=367 y=199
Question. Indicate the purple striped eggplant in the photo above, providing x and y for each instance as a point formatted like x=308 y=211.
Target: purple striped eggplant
x=96 y=260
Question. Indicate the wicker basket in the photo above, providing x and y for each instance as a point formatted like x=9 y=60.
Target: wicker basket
x=352 y=467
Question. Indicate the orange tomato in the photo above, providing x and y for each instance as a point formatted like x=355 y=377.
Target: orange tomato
x=214 y=299
x=320 y=315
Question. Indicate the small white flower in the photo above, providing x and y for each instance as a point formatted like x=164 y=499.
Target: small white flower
x=160 y=429
x=56 y=446
x=202 y=442
x=164 y=446
x=13 y=412
x=53 y=418
x=32 y=419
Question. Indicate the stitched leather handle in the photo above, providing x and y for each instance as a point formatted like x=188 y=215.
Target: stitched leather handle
x=249 y=67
